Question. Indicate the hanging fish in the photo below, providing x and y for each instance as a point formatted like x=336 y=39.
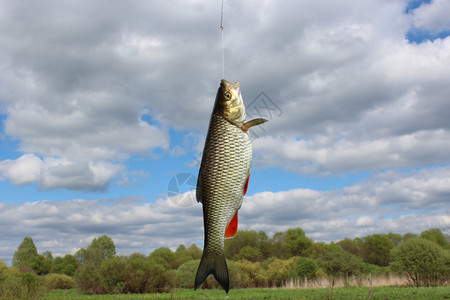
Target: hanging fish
x=223 y=178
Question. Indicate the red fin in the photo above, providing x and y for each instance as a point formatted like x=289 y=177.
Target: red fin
x=246 y=185
x=232 y=227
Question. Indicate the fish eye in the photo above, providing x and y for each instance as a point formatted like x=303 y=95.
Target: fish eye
x=227 y=95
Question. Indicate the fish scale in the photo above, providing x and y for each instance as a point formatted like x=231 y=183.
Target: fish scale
x=229 y=152
x=224 y=172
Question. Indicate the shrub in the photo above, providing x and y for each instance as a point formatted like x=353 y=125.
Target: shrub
x=304 y=268
x=252 y=270
x=114 y=273
x=186 y=274
x=18 y=285
x=60 y=281
x=249 y=253
x=424 y=262
x=67 y=265
x=278 y=270
x=88 y=279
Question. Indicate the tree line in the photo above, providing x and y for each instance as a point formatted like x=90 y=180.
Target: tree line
x=254 y=260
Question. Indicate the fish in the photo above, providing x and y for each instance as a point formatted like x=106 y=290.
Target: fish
x=223 y=178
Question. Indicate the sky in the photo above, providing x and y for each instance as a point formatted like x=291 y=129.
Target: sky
x=104 y=107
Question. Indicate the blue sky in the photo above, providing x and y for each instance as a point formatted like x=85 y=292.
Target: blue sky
x=103 y=103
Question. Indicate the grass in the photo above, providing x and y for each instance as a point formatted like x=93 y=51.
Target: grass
x=378 y=293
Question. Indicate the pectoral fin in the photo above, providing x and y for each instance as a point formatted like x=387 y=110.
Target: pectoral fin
x=252 y=123
x=232 y=227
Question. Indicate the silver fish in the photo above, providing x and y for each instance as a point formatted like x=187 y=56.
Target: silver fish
x=223 y=178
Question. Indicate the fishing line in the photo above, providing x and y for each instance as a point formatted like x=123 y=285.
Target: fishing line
x=221 y=30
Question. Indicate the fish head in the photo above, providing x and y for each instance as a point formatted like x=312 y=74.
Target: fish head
x=230 y=102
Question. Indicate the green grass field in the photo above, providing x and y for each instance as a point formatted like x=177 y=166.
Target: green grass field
x=338 y=293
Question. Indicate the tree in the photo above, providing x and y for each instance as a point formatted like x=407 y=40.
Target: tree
x=3 y=270
x=67 y=265
x=423 y=261
x=435 y=235
x=25 y=253
x=242 y=238
x=296 y=243
x=349 y=246
x=249 y=253
x=377 y=248
x=395 y=238
x=408 y=236
x=99 y=250
x=264 y=245
x=278 y=270
x=305 y=267
x=277 y=241
x=163 y=256
x=40 y=264
x=335 y=261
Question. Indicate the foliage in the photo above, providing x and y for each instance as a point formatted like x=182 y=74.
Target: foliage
x=408 y=236
x=253 y=273
x=395 y=238
x=59 y=281
x=186 y=274
x=65 y=265
x=352 y=246
x=88 y=279
x=296 y=243
x=99 y=250
x=19 y=285
x=163 y=256
x=114 y=274
x=304 y=268
x=435 y=235
x=249 y=253
x=25 y=253
x=3 y=270
x=377 y=249
x=258 y=261
x=423 y=261
x=40 y=264
x=278 y=271
x=242 y=239
x=335 y=261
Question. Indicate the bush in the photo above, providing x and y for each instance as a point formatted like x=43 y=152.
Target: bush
x=278 y=271
x=17 y=285
x=186 y=274
x=114 y=273
x=67 y=265
x=253 y=272
x=88 y=279
x=424 y=262
x=59 y=281
x=304 y=268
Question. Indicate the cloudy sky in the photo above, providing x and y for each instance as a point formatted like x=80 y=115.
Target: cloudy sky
x=104 y=107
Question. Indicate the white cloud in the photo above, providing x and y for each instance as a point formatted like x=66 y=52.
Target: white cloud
x=52 y=173
x=433 y=16
x=85 y=86
x=393 y=202
x=24 y=170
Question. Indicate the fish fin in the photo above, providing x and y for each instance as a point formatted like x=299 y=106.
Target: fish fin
x=251 y=123
x=232 y=227
x=216 y=265
x=246 y=185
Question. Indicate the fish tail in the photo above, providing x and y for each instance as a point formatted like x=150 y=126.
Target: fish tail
x=215 y=265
